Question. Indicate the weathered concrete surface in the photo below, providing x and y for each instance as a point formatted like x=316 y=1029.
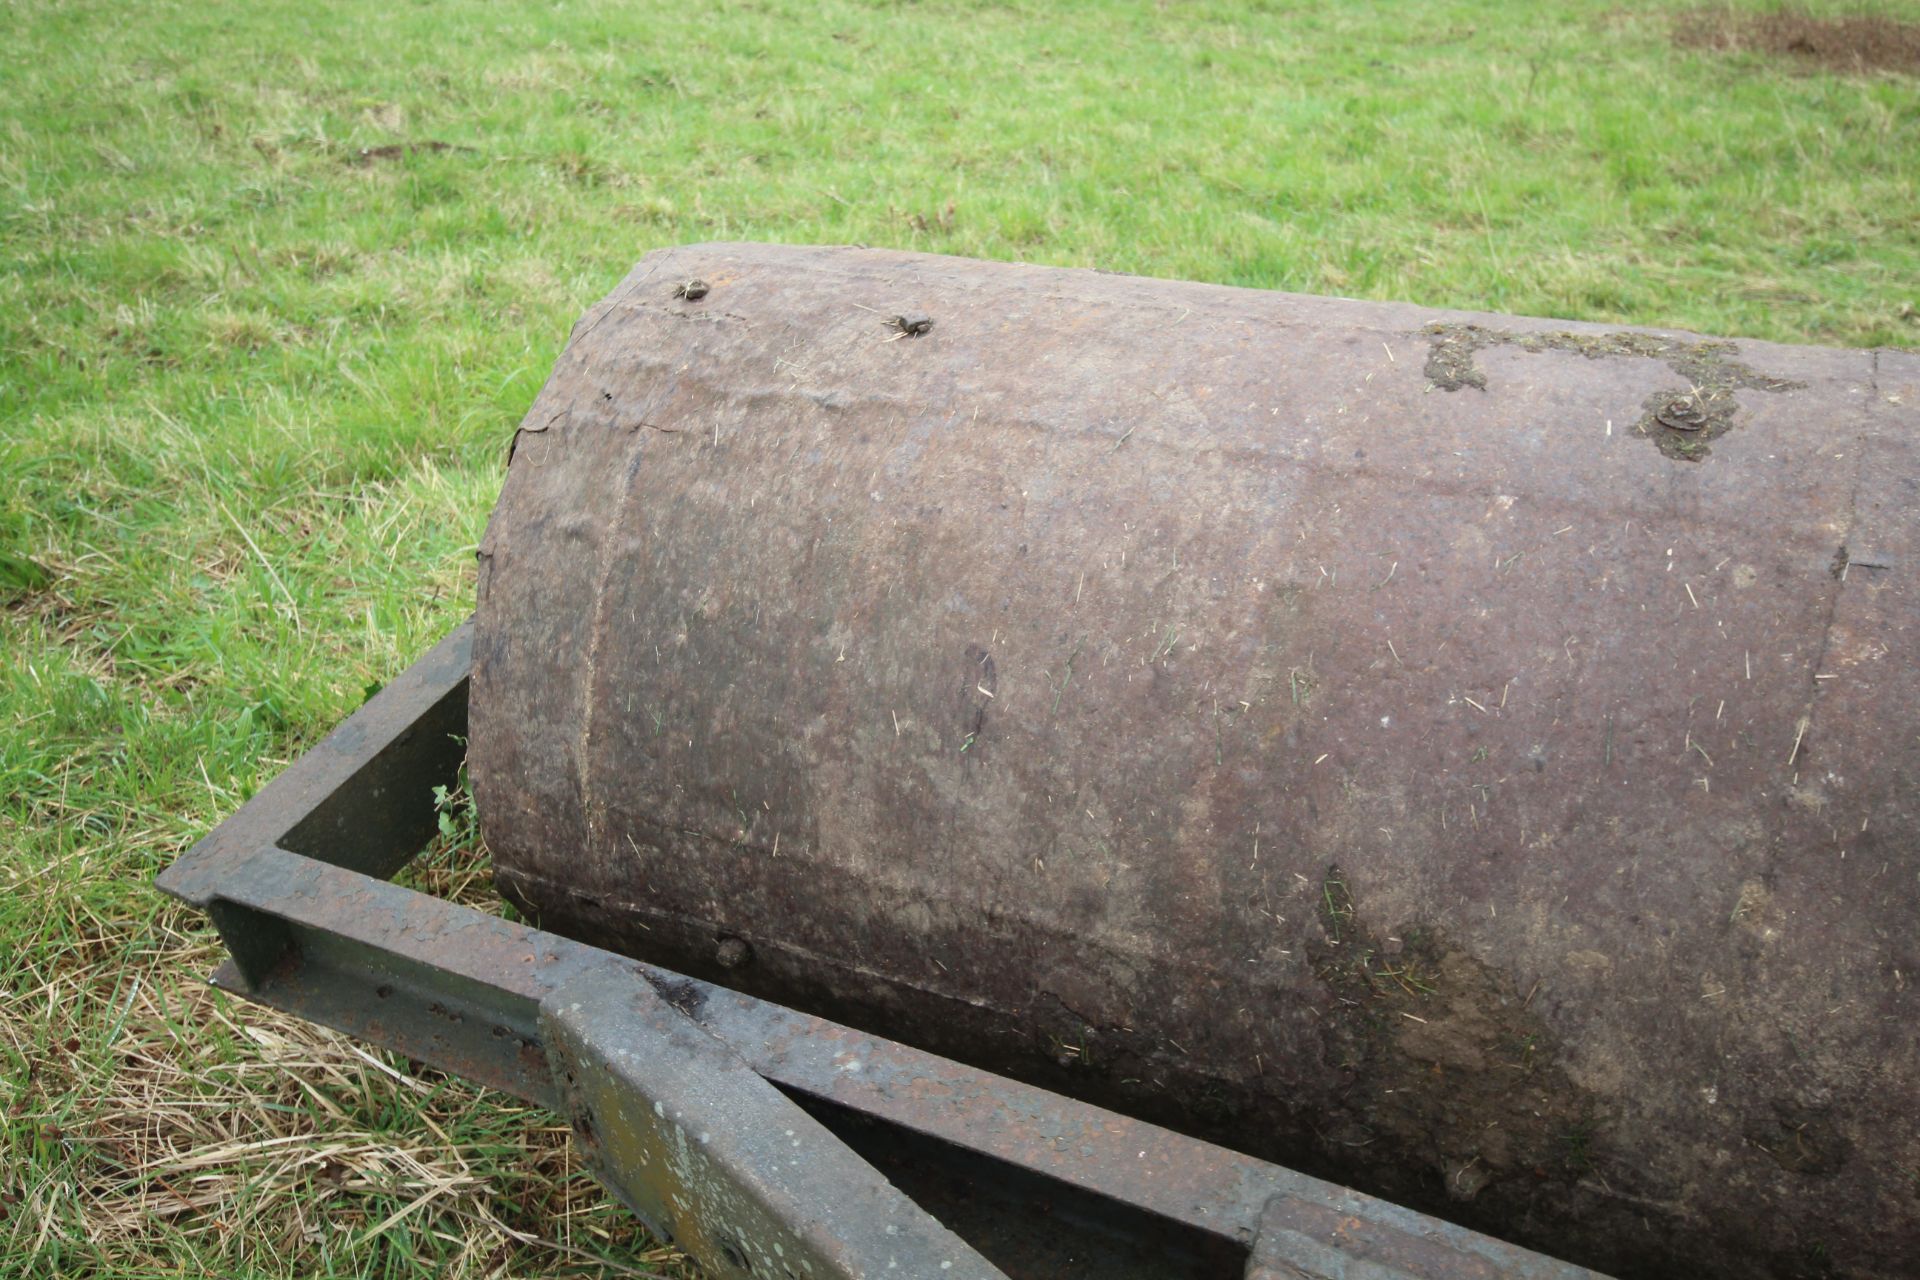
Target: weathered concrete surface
x=1469 y=757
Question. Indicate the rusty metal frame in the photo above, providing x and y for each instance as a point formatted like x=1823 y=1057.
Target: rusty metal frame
x=765 y=1141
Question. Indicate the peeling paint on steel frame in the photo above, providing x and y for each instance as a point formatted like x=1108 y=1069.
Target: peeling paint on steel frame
x=1105 y=684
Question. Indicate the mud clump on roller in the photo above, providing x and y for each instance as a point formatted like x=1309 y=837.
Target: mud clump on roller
x=1449 y=1071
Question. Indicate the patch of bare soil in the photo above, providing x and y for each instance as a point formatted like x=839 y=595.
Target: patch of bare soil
x=1857 y=43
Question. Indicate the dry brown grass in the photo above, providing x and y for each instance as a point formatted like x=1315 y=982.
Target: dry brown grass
x=1853 y=43
x=157 y=1111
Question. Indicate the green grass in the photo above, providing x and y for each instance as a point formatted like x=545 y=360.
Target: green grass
x=256 y=389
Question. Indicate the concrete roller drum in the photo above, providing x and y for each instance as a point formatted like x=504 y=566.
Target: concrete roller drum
x=1468 y=757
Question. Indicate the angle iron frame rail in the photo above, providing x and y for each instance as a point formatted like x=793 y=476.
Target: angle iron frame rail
x=764 y=1141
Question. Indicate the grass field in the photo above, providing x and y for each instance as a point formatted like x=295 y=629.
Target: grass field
x=279 y=280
